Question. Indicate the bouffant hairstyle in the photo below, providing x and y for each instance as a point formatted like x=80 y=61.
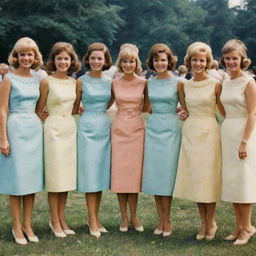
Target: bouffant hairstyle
x=56 y=50
x=198 y=48
x=98 y=47
x=239 y=46
x=154 y=52
x=129 y=51
x=22 y=45
x=182 y=69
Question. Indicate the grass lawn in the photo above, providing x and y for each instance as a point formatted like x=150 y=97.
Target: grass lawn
x=181 y=242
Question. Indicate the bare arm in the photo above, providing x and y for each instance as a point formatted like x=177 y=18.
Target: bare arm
x=44 y=89
x=218 y=88
x=5 y=90
x=250 y=96
x=147 y=105
x=78 y=97
x=181 y=94
x=112 y=99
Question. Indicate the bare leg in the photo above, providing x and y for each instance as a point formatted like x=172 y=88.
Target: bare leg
x=53 y=199
x=160 y=210
x=28 y=203
x=123 y=200
x=211 y=223
x=133 y=202
x=15 y=202
x=91 y=200
x=246 y=212
x=61 y=212
x=203 y=216
x=238 y=217
x=98 y=199
x=166 y=203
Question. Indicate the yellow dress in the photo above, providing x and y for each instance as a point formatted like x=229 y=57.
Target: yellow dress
x=60 y=136
x=198 y=175
x=238 y=176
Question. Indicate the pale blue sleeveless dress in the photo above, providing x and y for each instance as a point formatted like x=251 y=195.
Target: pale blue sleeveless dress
x=22 y=172
x=162 y=139
x=94 y=136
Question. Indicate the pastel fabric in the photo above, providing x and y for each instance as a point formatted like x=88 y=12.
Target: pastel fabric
x=238 y=176
x=94 y=136
x=60 y=136
x=199 y=169
x=162 y=139
x=127 y=136
x=22 y=172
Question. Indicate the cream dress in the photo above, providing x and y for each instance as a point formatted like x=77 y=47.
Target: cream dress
x=238 y=176
x=60 y=136
x=198 y=175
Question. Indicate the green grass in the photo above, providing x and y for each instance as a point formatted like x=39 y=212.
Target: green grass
x=182 y=242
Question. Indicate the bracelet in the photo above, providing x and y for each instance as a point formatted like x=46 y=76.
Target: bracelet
x=245 y=141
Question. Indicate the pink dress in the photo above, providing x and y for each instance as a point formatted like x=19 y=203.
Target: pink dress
x=127 y=136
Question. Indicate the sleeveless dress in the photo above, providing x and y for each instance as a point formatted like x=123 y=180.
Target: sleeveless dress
x=22 y=172
x=199 y=169
x=162 y=139
x=127 y=136
x=94 y=136
x=238 y=176
x=60 y=136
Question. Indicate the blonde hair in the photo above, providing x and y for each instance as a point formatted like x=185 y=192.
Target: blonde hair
x=129 y=51
x=182 y=69
x=154 y=52
x=236 y=45
x=199 y=48
x=22 y=45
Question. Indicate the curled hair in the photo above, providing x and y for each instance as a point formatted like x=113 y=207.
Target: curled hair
x=199 y=48
x=98 y=47
x=22 y=45
x=154 y=52
x=239 y=46
x=56 y=50
x=129 y=51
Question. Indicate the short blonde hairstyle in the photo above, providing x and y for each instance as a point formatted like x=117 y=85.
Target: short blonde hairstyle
x=22 y=45
x=98 y=47
x=182 y=69
x=154 y=52
x=129 y=51
x=58 y=48
x=239 y=46
x=199 y=48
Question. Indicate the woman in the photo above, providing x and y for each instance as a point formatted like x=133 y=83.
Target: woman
x=198 y=175
x=127 y=135
x=238 y=140
x=163 y=135
x=21 y=145
x=58 y=94
x=94 y=132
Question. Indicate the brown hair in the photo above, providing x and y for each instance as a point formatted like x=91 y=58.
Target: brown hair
x=154 y=52
x=56 y=50
x=199 y=48
x=236 y=45
x=130 y=51
x=22 y=45
x=98 y=47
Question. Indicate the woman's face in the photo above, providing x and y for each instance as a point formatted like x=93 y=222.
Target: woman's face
x=232 y=61
x=198 y=63
x=62 y=62
x=128 y=65
x=26 y=59
x=96 y=61
x=160 y=63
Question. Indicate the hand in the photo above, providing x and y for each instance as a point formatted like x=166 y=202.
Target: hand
x=5 y=148
x=242 y=153
x=81 y=111
x=44 y=114
x=182 y=114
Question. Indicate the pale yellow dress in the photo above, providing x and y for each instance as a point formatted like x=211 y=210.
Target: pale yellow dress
x=199 y=175
x=60 y=136
x=238 y=176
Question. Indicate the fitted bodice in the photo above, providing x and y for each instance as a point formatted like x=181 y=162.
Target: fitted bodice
x=163 y=95
x=24 y=93
x=61 y=95
x=233 y=96
x=96 y=93
x=200 y=97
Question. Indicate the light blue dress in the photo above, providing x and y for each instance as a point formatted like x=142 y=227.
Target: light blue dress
x=22 y=172
x=162 y=139
x=94 y=136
